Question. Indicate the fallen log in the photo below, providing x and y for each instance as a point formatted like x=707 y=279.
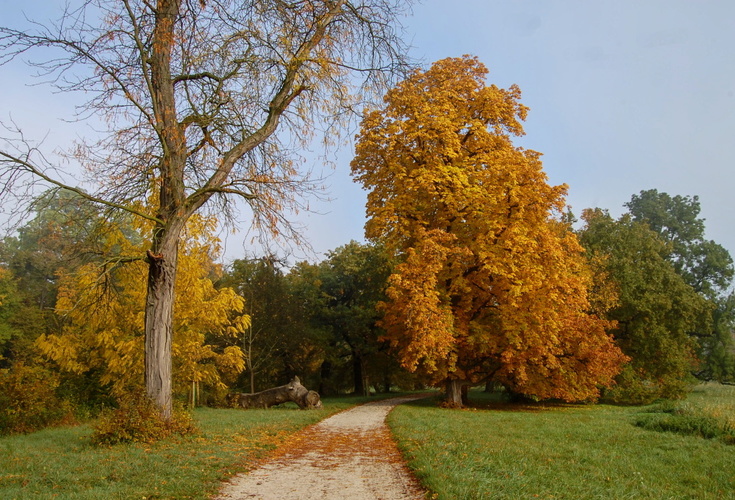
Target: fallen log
x=293 y=391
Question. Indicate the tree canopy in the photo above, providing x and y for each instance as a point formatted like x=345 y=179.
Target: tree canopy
x=492 y=284
x=704 y=264
x=656 y=310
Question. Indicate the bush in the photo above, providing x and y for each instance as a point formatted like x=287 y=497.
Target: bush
x=137 y=419
x=28 y=400
x=635 y=388
x=683 y=418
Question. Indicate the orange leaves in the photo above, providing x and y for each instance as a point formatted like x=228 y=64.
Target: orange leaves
x=416 y=309
x=491 y=283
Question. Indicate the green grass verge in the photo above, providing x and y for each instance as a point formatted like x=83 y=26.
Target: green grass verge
x=709 y=412
x=62 y=463
x=563 y=452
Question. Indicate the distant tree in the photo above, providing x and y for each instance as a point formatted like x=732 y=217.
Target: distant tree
x=704 y=264
x=492 y=285
x=64 y=233
x=9 y=305
x=352 y=281
x=194 y=94
x=270 y=305
x=656 y=308
x=718 y=349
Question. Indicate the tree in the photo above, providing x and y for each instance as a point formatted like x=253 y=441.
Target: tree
x=102 y=338
x=64 y=233
x=492 y=284
x=9 y=305
x=704 y=264
x=352 y=281
x=718 y=349
x=270 y=306
x=656 y=310
x=194 y=94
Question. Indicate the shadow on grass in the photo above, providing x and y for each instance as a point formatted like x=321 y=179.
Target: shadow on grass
x=495 y=401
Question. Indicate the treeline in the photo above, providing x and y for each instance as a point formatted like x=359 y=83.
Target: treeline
x=72 y=288
x=72 y=297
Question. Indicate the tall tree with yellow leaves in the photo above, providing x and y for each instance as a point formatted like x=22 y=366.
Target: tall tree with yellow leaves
x=205 y=102
x=492 y=285
x=103 y=305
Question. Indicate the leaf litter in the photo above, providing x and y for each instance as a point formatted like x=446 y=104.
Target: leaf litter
x=348 y=455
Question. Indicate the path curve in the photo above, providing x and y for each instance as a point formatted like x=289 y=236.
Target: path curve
x=349 y=455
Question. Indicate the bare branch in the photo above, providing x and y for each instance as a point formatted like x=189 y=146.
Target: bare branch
x=24 y=165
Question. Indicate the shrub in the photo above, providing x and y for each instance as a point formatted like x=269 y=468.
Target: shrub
x=137 y=419
x=634 y=387
x=28 y=400
x=685 y=418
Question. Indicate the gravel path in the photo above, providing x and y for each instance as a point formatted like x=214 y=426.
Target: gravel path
x=350 y=455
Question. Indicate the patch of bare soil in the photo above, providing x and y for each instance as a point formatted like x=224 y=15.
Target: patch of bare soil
x=350 y=455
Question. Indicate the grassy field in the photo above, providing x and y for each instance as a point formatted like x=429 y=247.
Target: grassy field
x=493 y=451
x=62 y=463
x=500 y=451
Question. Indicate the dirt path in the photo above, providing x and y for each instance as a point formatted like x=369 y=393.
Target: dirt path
x=350 y=455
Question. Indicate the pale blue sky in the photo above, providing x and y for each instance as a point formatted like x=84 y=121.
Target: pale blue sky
x=624 y=96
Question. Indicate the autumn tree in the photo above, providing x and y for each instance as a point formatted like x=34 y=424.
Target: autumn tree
x=103 y=306
x=194 y=95
x=492 y=284
x=63 y=234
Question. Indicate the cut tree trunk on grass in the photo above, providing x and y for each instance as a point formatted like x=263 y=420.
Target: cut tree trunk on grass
x=293 y=391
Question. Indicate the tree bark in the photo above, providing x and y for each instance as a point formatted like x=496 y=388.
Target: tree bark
x=293 y=391
x=357 y=373
x=159 y=327
x=453 y=393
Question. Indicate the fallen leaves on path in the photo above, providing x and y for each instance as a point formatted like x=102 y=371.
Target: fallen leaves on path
x=349 y=455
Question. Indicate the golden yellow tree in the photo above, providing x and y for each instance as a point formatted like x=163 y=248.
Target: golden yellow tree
x=105 y=319
x=493 y=285
x=204 y=102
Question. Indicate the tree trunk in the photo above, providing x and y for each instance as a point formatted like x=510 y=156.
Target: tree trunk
x=453 y=395
x=159 y=326
x=325 y=374
x=357 y=375
x=293 y=391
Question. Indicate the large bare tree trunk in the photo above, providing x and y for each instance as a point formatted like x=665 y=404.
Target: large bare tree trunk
x=159 y=325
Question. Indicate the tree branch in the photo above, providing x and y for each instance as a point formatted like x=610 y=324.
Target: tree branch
x=26 y=165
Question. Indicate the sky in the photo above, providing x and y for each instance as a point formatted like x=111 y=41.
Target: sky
x=623 y=96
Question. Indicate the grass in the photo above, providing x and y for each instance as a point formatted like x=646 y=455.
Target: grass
x=62 y=463
x=709 y=412
x=501 y=451
x=493 y=451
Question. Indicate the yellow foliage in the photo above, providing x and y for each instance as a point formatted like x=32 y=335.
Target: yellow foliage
x=492 y=284
x=103 y=305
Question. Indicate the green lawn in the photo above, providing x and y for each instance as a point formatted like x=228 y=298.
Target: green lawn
x=496 y=451
x=562 y=452
x=62 y=463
